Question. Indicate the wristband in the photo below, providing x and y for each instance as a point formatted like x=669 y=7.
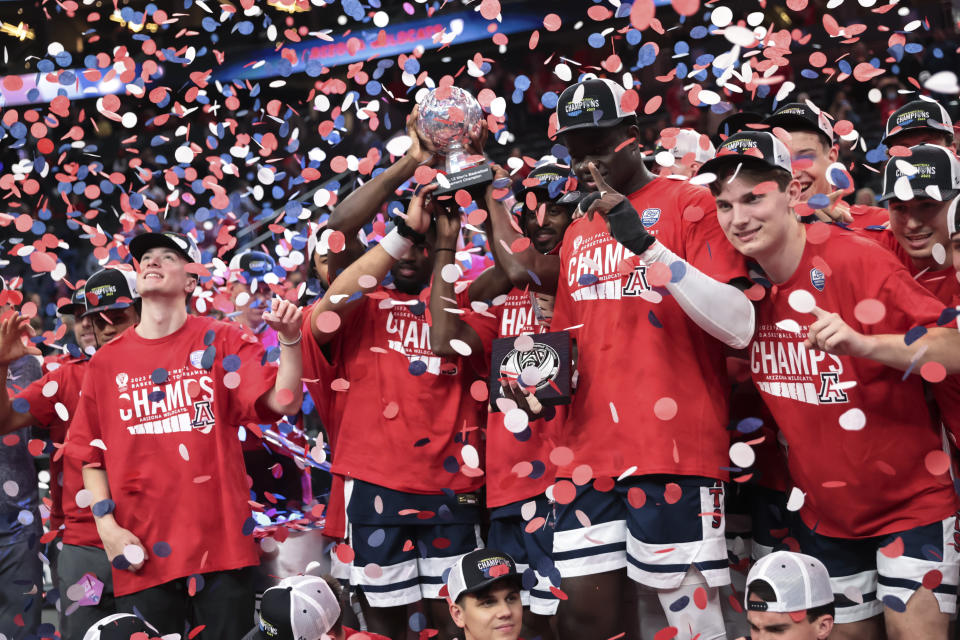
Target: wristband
x=395 y=244
x=444 y=249
x=404 y=230
x=292 y=343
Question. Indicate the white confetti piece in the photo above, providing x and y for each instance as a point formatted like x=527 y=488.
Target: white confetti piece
x=802 y=301
x=742 y=455
x=796 y=499
x=853 y=420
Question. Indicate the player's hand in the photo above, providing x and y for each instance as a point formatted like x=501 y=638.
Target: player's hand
x=526 y=401
x=285 y=318
x=418 y=215
x=831 y=334
x=499 y=173
x=13 y=330
x=478 y=139
x=836 y=211
x=545 y=303
x=116 y=539
x=448 y=225
x=603 y=200
x=420 y=150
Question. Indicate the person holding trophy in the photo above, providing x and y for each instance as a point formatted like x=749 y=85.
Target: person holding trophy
x=405 y=431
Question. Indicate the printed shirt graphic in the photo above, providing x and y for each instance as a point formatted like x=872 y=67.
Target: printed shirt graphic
x=65 y=471
x=865 y=482
x=172 y=454
x=505 y=450
x=637 y=347
x=401 y=422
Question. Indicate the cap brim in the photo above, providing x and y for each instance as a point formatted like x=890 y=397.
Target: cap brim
x=515 y=577
x=146 y=241
x=890 y=140
x=713 y=165
x=70 y=309
x=945 y=196
x=106 y=307
x=795 y=123
x=599 y=124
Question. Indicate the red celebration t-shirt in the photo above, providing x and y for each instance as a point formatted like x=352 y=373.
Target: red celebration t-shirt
x=942 y=283
x=856 y=432
x=162 y=417
x=652 y=389
x=865 y=215
x=506 y=482
x=62 y=387
x=397 y=415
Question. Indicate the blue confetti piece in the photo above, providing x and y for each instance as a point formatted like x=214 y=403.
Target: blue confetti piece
x=652 y=317
x=528 y=579
x=681 y=48
x=209 y=355
x=159 y=375
x=749 y=425
x=120 y=562
x=588 y=279
x=161 y=549
x=418 y=622
x=539 y=468
x=894 y=603
x=699 y=32
x=376 y=537
x=634 y=37
x=21 y=405
x=156 y=396
x=932 y=552
x=248 y=526
x=914 y=334
x=417 y=368
x=818 y=201
x=103 y=507
x=678 y=270
x=450 y=465
x=595 y=40
x=522 y=82
x=231 y=362
x=523 y=436
x=947 y=316
x=839 y=178
x=810 y=74
x=548 y=100
x=680 y=603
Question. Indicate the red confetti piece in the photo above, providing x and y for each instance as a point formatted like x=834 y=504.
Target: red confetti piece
x=765 y=187
x=700 y=598
x=798 y=616
x=866 y=71
x=636 y=497
x=894 y=549
x=561 y=456
x=408 y=545
x=558 y=593
x=667 y=633
x=658 y=274
x=552 y=22
x=937 y=462
x=327 y=321
x=932 y=579
x=603 y=484
x=345 y=553
x=686 y=7
x=582 y=474
x=672 y=493
x=479 y=390
x=391 y=411
x=424 y=174
x=665 y=409
x=599 y=13
x=441 y=543
x=336 y=241
x=641 y=14
x=796 y=5
x=535 y=524
x=735 y=603
x=284 y=396
x=933 y=372
x=869 y=311
x=652 y=104
x=818 y=59
x=520 y=244
x=564 y=492
x=899 y=151
x=630 y=99
x=193 y=632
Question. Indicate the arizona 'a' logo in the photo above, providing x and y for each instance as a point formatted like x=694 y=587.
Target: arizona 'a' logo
x=636 y=281
x=830 y=390
x=203 y=419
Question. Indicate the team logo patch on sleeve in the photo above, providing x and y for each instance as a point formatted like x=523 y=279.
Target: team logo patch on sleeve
x=650 y=217
x=817 y=279
x=196 y=357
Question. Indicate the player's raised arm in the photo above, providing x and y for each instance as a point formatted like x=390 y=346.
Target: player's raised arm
x=364 y=274
x=718 y=308
x=13 y=329
x=359 y=208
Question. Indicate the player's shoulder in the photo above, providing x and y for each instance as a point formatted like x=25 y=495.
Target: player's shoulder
x=859 y=250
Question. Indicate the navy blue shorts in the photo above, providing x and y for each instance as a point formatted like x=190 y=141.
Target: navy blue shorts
x=865 y=579
x=656 y=527
x=531 y=549
x=403 y=542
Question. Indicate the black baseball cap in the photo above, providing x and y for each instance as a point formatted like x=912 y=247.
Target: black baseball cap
x=250 y=266
x=478 y=570
x=548 y=178
x=109 y=288
x=119 y=626
x=736 y=122
x=299 y=608
x=801 y=116
x=925 y=113
x=76 y=305
x=755 y=147
x=930 y=171
x=591 y=104
x=183 y=244
x=953 y=223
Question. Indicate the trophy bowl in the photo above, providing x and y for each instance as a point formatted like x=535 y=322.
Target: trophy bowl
x=449 y=121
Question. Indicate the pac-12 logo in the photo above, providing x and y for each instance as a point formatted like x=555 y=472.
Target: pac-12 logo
x=122 y=380
x=817 y=278
x=196 y=357
x=650 y=217
x=577 y=242
x=541 y=357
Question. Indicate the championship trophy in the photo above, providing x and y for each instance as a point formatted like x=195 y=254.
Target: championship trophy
x=449 y=117
x=539 y=362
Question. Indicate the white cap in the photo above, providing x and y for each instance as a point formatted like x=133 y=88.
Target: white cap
x=800 y=582
x=689 y=141
x=303 y=606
